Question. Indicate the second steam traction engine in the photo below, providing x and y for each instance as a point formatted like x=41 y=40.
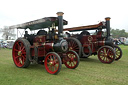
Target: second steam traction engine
x=99 y=43
x=46 y=47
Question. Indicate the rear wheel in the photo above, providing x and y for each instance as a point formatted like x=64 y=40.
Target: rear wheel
x=106 y=54
x=71 y=60
x=52 y=63
x=118 y=52
x=74 y=44
x=21 y=53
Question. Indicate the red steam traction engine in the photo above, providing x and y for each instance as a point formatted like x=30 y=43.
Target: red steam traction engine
x=100 y=43
x=45 y=47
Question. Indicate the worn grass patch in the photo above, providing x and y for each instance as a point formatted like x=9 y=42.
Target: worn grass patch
x=89 y=72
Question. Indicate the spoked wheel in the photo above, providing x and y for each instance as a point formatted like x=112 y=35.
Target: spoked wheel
x=74 y=44
x=21 y=53
x=118 y=52
x=71 y=60
x=52 y=63
x=106 y=54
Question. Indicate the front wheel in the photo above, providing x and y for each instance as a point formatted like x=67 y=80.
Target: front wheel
x=71 y=59
x=52 y=63
x=106 y=54
x=118 y=52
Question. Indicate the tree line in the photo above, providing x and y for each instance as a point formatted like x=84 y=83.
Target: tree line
x=116 y=33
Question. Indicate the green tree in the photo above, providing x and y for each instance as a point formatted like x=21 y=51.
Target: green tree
x=8 y=33
x=116 y=33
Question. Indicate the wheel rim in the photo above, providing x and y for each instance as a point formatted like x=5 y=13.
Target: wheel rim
x=52 y=63
x=73 y=46
x=106 y=55
x=71 y=60
x=117 y=53
x=19 y=53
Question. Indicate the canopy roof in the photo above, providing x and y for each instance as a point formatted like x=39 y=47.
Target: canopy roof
x=39 y=24
x=89 y=27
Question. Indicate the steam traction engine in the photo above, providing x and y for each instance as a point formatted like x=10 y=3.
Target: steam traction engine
x=99 y=43
x=45 y=47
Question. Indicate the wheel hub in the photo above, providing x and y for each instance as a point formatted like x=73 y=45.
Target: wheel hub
x=105 y=54
x=70 y=48
x=51 y=63
x=71 y=57
x=19 y=53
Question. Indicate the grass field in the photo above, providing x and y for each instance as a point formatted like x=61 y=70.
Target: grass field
x=89 y=72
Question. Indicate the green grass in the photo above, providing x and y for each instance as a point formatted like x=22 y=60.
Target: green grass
x=89 y=72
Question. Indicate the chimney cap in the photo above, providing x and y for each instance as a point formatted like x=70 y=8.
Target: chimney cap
x=107 y=18
x=60 y=13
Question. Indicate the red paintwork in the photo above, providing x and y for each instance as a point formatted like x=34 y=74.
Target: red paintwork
x=41 y=51
x=93 y=41
x=49 y=46
x=39 y=40
x=43 y=47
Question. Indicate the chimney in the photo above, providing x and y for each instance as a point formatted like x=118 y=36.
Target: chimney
x=108 y=25
x=60 y=23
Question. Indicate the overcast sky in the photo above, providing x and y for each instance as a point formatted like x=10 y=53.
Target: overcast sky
x=76 y=12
